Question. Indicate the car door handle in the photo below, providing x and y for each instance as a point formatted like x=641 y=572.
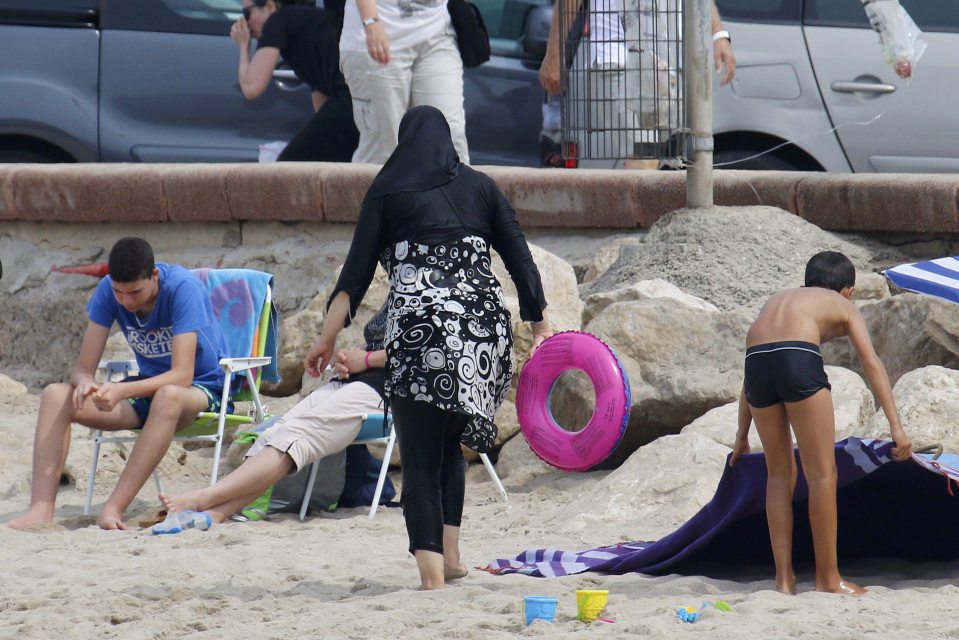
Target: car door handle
x=862 y=87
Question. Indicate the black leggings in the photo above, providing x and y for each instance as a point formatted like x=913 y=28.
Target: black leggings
x=329 y=136
x=434 y=470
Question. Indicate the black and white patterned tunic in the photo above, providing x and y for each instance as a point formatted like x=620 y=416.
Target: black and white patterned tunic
x=448 y=335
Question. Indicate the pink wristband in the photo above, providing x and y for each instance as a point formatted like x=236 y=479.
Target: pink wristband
x=366 y=359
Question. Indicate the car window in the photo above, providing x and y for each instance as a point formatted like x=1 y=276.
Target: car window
x=930 y=15
x=773 y=11
x=212 y=17
x=505 y=21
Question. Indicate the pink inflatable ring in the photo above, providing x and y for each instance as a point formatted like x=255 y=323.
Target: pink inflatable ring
x=573 y=450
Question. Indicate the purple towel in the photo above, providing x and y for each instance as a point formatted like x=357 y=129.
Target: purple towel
x=899 y=509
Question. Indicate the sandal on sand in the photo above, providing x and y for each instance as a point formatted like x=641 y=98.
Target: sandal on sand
x=179 y=520
x=152 y=519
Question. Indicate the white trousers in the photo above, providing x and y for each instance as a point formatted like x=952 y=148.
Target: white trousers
x=428 y=73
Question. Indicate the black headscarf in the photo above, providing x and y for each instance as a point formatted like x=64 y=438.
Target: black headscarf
x=424 y=157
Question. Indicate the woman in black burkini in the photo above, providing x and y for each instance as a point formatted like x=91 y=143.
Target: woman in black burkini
x=308 y=39
x=432 y=221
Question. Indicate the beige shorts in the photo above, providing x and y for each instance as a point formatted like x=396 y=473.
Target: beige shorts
x=324 y=422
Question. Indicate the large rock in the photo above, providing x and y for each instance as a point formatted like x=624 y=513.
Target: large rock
x=646 y=498
x=643 y=290
x=928 y=402
x=852 y=401
x=870 y=286
x=908 y=331
x=734 y=258
x=606 y=256
x=681 y=362
x=298 y=331
x=564 y=306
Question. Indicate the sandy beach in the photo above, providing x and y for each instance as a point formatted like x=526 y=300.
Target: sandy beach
x=342 y=575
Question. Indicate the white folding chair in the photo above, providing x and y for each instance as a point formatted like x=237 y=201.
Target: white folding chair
x=377 y=428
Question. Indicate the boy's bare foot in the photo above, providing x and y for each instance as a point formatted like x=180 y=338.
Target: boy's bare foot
x=455 y=573
x=844 y=588
x=110 y=519
x=31 y=518
x=189 y=501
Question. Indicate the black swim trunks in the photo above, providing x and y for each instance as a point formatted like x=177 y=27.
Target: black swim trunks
x=783 y=372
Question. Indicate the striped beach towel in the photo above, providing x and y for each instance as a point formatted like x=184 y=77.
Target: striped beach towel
x=886 y=509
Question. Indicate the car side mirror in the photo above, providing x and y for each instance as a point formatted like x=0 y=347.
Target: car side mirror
x=537 y=31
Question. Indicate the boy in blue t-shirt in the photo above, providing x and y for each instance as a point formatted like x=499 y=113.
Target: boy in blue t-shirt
x=166 y=315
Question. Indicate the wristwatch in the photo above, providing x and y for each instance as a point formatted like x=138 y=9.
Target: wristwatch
x=368 y=21
x=719 y=35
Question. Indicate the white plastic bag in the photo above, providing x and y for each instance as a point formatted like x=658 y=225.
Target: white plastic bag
x=270 y=151
x=898 y=35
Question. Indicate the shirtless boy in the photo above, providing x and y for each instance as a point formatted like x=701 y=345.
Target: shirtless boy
x=784 y=385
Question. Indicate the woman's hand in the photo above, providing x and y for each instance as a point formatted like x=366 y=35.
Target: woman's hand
x=723 y=56
x=377 y=43
x=319 y=356
x=541 y=331
x=240 y=33
x=347 y=361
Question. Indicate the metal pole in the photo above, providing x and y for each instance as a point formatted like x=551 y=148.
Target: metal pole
x=697 y=53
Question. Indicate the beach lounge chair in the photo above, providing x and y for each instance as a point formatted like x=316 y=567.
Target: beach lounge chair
x=243 y=305
x=377 y=428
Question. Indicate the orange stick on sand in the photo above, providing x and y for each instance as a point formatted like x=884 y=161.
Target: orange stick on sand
x=97 y=269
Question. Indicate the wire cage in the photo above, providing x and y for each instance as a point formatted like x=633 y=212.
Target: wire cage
x=624 y=90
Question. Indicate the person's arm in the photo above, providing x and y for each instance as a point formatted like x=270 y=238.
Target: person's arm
x=83 y=376
x=321 y=353
x=550 y=71
x=377 y=42
x=878 y=380
x=351 y=361
x=741 y=447
x=509 y=241
x=254 y=74
x=180 y=374
x=319 y=99
x=722 y=47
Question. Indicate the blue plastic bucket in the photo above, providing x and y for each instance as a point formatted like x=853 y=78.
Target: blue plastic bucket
x=539 y=608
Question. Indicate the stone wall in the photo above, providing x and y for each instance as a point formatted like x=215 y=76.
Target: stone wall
x=581 y=198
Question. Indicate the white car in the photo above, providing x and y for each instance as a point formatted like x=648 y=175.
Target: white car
x=811 y=73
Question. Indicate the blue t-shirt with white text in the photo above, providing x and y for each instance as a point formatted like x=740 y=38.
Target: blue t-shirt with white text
x=182 y=306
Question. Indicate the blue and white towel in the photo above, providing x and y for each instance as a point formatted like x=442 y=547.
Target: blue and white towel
x=238 y=296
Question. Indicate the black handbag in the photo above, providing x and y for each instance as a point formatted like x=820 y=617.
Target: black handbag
x=472 y=38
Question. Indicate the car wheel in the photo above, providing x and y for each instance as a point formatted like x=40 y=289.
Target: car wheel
x=747 y=159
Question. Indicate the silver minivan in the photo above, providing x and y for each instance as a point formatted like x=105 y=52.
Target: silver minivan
x=811 y=73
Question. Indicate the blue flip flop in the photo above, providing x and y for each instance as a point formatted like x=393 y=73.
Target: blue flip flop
x=177 y=521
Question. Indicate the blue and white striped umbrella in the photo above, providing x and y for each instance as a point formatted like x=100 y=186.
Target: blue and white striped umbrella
x=939 y=277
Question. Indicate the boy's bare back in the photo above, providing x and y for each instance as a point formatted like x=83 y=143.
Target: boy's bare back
x=807 y=314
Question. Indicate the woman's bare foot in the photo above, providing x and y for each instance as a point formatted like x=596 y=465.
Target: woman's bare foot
x=189 y=501
x=32 y=518
x=787 y=586
x=455 y=573
x=843 y=588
